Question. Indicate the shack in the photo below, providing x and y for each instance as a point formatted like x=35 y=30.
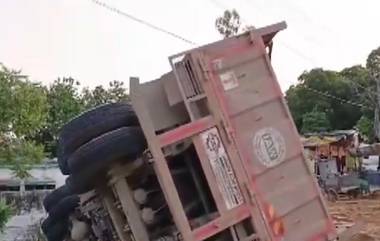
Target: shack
x=334 y=145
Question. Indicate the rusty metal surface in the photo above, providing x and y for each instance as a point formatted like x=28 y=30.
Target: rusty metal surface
x=262 y=174
x=160 y=165
x=259 y=124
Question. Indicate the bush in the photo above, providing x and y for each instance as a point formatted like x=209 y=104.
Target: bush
x=5 y=214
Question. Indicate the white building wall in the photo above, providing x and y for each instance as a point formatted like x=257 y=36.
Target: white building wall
x=41 y=173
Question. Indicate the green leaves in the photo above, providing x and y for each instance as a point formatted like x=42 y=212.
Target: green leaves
x=116 y=92
x=66 y=101
x=5 y=214
x=315 y=121
x=31 y=106
x=31 y=115
x=23 y=111
x=306 y=101
x=23 y=105
x=228 y=24
x=373 y=63
x=20 y=155
x=64 y=104
x=365 y=126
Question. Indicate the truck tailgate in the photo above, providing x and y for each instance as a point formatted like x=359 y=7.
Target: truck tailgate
x=256 y=119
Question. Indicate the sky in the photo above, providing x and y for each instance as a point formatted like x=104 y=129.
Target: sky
x=47 y=39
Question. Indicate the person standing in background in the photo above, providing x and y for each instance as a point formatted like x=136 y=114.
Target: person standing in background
x=352 y=160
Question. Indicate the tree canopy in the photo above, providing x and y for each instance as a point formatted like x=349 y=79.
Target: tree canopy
x=23 y=104
x=343 y=97
x=5 y=213
x=67 y=100
x=228 y=24
x=330 y=92
x=315 y=121
x=373 y=66
x=32 y=115
x=23 y=111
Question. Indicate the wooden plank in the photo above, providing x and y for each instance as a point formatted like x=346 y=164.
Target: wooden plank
x=131 y=210
x=116 y=217
x=252 y=237
x=185 y=131
x=160 y=165
x=271 y=29
x=217 y=225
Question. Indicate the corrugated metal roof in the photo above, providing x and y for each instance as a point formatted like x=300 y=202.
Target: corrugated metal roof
x=324 y=138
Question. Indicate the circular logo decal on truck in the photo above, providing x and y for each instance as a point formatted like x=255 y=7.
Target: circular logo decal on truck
x=269 y=146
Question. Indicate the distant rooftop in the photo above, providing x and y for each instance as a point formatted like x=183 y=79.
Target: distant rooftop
x=324 y=138
x=332 y=133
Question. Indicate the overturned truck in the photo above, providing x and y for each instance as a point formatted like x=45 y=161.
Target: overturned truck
x=208 y=151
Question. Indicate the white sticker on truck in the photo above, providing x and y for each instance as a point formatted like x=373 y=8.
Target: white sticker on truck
x=222 y=169
x=269 y=146
x=229 y=80
x=217 y=64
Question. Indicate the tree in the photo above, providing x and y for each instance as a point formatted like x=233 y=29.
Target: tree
x=116 y=92
x=315 y=121
x=64 y=103
x=67 y=101
x=20 y=156
x=5 y=214
x=327 y=90
x=228 y=24
x=373 y=66
x=97 y=96
x=363 y=88
x=23 y=107
x=366 y=128
x=373 y=63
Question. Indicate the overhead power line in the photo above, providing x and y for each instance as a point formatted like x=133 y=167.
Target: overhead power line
x=366 y=89
x=341 y=100
x=177 y=36
x=295 y=8
x=150 y=25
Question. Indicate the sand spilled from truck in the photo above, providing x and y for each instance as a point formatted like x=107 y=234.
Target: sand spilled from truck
x=346 y=212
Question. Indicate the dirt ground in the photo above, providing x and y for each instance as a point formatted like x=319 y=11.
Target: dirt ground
x=346 y=212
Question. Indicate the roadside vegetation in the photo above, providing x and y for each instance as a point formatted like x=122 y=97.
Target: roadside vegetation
x=31 y=116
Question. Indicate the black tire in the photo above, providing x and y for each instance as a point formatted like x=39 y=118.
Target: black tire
x=55 y=196
x=62 y=162
x=91 y=124
x=58 y=231
x=65 y=207
x=60 y=212
x=125 y=143
x=79 y=184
